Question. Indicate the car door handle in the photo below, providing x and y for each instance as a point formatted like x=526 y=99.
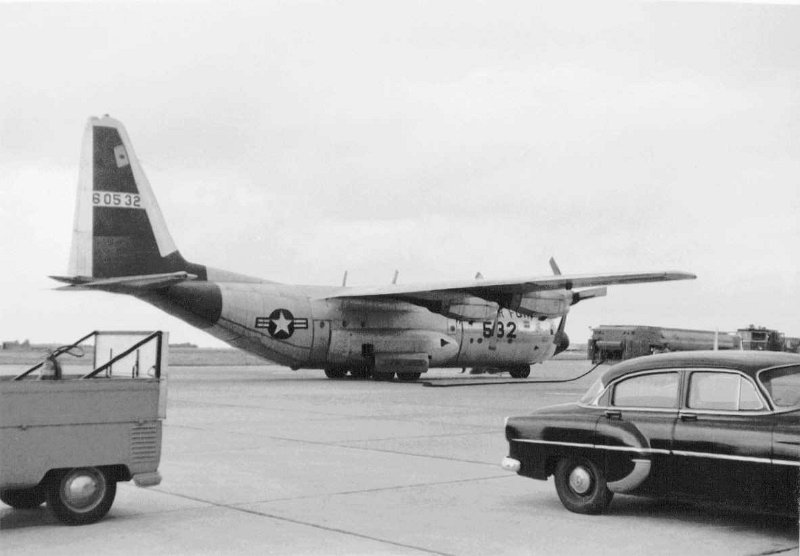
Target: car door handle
x=613 y=414
x=688 y=417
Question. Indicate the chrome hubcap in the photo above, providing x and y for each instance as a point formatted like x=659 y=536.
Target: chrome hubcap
x=83 y=491
x=580 y=480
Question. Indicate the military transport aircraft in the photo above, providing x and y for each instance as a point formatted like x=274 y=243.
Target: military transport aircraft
x=121 y=244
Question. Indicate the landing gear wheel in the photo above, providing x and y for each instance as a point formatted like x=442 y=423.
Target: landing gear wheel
x=23 y=498
x=360 y=373
x=581 y=486
x=81 y=496
x=408 y=377
x=523 y=371
x=386 y=377
x=335 y=372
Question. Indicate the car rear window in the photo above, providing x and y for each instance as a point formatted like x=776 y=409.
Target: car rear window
x=722 y=391
x=783 y=385
x=656 y=390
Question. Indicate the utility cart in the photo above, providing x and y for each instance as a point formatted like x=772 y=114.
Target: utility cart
x=68 y=438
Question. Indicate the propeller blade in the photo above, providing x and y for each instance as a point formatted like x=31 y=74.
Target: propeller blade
x=493 y=339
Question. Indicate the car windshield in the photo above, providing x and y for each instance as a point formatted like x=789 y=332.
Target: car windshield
x=783 y=385
x=593 y=391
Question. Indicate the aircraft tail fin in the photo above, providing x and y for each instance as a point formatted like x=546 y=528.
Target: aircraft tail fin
x=118 y=228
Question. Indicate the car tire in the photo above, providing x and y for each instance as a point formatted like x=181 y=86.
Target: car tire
x=523 y=371
x=408 y=377
x=81 y=496
x=581 y=486
x=24 y=498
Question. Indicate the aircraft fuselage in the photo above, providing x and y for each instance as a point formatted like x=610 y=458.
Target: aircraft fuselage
x=295 y=326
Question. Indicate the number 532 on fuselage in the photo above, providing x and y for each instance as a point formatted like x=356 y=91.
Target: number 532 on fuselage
x=121 y=244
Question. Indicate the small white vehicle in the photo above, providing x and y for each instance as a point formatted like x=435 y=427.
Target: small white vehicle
x=67 y=440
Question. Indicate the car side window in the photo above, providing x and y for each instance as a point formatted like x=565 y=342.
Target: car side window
x=656 y=390
x=722 y=391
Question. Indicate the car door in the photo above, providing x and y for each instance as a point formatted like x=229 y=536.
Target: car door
x=640 y=414
x=723 y=439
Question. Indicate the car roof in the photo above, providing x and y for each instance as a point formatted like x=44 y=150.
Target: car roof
x=749 y=362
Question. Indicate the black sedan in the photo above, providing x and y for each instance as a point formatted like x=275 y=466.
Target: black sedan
x=719 y=426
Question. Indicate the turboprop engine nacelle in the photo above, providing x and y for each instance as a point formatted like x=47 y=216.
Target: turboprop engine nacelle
x=545 y=304
x=551 y=303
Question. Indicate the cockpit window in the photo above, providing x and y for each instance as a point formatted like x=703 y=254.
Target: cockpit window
x=591 y=394
x=782 y=385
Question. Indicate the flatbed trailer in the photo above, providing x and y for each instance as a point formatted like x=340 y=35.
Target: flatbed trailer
x=69 y=440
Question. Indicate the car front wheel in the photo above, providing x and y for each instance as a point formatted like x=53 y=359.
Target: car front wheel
x=581 y=486
x=81 y=496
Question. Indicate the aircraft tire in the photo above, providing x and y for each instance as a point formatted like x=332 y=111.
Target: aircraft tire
x=523 y=371
x=408 y=377
x=23 y=498
x=81 y=496
x=360 y=373
x=386 y=377
x=335 y=372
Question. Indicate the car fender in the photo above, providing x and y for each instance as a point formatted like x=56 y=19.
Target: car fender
x=625 y=439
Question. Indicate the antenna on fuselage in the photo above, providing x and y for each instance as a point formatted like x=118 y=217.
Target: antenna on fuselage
x=478 y=276
x=396 y=274
x=344 y=279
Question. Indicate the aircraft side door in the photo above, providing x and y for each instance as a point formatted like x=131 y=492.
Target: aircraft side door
x=321 y=341
x=455 y=329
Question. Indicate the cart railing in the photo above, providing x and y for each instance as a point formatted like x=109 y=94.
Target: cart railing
x=106 y=368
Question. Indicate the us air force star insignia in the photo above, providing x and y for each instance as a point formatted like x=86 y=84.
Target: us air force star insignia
x=281 y=324
x=281 y=327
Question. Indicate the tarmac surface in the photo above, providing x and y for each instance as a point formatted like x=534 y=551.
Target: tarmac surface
x=263 y=460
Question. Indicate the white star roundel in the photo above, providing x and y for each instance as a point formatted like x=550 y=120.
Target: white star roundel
x=281 y=324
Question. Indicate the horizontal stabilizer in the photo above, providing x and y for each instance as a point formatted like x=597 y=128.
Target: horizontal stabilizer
x=127 y=284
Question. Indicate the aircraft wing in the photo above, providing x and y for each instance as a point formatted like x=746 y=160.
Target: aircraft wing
x=499 y=290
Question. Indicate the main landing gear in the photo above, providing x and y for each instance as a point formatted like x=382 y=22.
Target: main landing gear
x=516 y=371
x=363 y=373
x=520 y=371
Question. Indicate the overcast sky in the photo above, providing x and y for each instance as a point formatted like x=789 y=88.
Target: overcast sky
x=294 y=141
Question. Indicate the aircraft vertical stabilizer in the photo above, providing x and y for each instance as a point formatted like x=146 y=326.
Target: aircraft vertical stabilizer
x=118 y=228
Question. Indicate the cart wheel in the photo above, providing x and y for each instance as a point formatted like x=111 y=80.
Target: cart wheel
x=23 y=498
x=81 y=496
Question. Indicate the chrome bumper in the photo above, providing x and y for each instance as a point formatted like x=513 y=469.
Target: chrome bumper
x=147 y=479
x=511 y=464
